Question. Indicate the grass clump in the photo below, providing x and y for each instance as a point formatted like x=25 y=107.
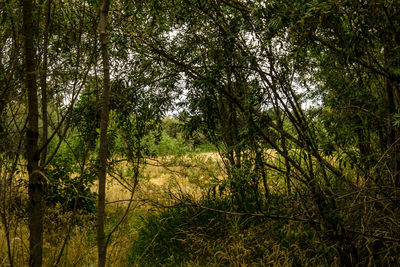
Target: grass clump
x=164 y=238
x=195 y=236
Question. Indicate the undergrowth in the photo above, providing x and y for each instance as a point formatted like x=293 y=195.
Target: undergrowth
x=213 y=232
x=194 y=236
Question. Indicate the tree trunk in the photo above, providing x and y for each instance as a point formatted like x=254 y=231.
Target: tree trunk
x=43 y=82
x=32 y=134
x=393 y=131
x=101 y=243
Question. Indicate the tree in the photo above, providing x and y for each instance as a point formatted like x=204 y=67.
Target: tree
x=36 y=179
x=101 y=242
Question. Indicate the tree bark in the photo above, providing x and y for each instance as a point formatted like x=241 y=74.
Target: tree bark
x=35 y=190
x=393 y=131
x=101 y=242
x=43 y=82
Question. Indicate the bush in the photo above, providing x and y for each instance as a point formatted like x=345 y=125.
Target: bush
x=193 y=236
x=165 y=238
x=64 y=184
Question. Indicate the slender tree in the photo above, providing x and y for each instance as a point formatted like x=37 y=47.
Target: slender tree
x=102 y=158
x=32 y=136
x=43 y=80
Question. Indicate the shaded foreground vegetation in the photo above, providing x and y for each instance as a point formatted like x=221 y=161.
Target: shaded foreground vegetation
x=184 y=216
x=283 y=148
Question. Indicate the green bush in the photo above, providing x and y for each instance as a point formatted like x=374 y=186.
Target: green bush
x=164 y=237
x=187 y=236
x=65 y=183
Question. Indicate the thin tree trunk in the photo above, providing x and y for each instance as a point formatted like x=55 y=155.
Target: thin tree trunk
x=101 y=242
x=281 y=119
x=3 y=211
x=43 y=82
x=393 y=131
x=32 y=135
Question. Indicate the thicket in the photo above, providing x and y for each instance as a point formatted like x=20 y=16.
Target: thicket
x=301 y=100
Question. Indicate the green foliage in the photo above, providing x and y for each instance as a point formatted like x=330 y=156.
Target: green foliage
x=185 y=235
x=66 y=183
x=164 y=237
x=86 y=117
x=173 y=127
x=159 y=241
x=171 y=139
x=165 y=146
x=242 y=75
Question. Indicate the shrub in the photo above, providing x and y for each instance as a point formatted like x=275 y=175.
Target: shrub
x=65 y=183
